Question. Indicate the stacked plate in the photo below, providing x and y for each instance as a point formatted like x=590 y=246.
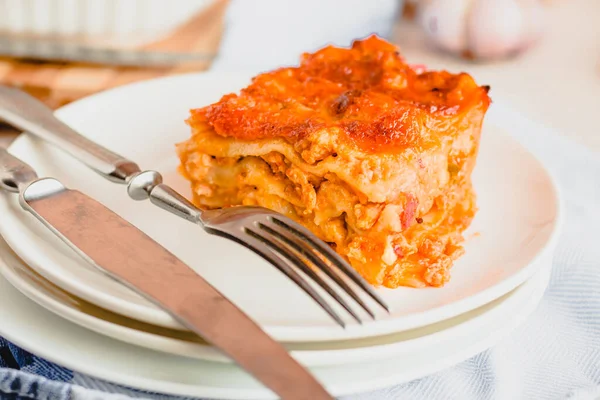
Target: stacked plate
x=495 y=286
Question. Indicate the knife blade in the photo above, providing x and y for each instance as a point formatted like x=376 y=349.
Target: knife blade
x=126 y=254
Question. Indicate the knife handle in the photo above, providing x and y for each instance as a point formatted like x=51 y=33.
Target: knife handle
x=14 y=173
x=29 y=114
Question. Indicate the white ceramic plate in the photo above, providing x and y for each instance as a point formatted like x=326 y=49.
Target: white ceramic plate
x=517 y=222
x=29 y=326
x=177 y=342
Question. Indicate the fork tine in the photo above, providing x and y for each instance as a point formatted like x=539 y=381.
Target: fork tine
x=262 y=250
x=303 y=248
x=332 y=256
x=297 y=262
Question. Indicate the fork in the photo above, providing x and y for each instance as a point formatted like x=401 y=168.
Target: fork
x=285 y=244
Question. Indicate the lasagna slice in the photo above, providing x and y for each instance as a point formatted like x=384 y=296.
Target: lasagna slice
x=370 y=154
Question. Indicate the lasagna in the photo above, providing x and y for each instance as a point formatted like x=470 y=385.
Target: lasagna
x=371 y=154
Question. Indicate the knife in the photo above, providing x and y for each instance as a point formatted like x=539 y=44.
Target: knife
x=126 y=254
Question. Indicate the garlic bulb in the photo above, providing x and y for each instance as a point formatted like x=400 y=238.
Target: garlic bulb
x=483 y=29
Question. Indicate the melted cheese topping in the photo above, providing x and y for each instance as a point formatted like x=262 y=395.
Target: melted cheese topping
x=367 y=93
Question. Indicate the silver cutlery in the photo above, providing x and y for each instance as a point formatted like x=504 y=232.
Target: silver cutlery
x=284 y=243
x=126 y=254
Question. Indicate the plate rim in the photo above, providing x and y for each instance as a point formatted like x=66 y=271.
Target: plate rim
x=184 y=389
x=10 y=263
x=296 y=333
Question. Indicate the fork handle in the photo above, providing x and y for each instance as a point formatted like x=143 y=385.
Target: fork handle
x=29 y=114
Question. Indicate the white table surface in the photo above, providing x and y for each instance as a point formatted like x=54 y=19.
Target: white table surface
x=557 y=82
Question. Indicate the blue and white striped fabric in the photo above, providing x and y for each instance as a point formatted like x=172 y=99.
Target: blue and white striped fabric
x=555 y=355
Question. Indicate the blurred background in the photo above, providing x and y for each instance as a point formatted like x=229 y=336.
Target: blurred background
x=539 y=56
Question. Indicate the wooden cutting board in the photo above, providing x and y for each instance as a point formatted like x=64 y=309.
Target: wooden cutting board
x=58 y=83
